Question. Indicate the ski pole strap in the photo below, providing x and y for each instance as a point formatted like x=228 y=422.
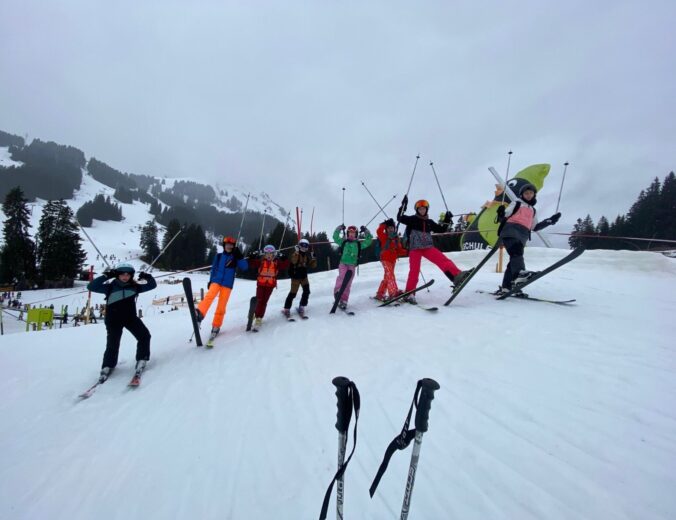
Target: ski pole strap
x=422 y=400
x=348 y=400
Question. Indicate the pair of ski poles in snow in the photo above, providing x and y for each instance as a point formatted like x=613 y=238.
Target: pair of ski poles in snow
x=348 y=400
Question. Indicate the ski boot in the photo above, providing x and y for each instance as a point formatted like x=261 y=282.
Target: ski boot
x=461 y=276
x=105 y=374
x=257 y=323
x=212 y=336
x=342 y=305
x=198 y=315
x=140 y=367
x=410 y=299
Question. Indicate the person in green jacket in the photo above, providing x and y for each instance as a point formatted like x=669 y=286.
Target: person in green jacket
x=350 y=248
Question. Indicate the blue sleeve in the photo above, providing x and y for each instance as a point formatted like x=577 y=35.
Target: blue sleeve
x=243 y=265
x=97 y=284
x=148 y=286
x=214 y=266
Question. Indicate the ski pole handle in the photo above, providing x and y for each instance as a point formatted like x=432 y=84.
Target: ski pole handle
x=344 y=414
x=422 y=414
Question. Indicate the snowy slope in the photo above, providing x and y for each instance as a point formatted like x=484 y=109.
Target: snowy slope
x=544 y=411
x=120 y=239
x=6 y=160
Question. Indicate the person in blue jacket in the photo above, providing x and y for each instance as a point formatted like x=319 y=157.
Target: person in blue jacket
x=121 y=293
x=221 y=281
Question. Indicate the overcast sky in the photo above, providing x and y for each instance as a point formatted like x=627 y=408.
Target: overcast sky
x=299 y=99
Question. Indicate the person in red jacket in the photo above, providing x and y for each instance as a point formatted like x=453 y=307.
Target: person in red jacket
x=391 y=248
x=268 y=267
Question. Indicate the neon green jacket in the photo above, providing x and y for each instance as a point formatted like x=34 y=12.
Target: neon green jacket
x=350 y=248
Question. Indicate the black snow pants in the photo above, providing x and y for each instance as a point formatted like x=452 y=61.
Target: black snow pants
x=516 y=264
x=114 y=327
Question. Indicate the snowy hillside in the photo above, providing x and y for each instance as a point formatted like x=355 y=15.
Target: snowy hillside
x=121 y=239
x=544 y=411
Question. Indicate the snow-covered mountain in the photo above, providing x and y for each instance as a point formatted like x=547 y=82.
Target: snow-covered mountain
x=120 y=240
x=544 y=411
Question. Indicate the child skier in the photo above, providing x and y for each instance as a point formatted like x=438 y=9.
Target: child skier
x=300 y=261
x=221 y=282
x=391 y=248
x=516 y=223
x=268 y=267
x=419 y=230
x=121 y=292
x=350 y=248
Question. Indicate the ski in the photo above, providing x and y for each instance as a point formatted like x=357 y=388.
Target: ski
x=456 y=290
x=349 y=313
x=135 y=381
x=539 y=274
x=187 y=287
x=534 y=299
x=405 y=294
x=425 y=307
x=90 y=391
x=252 y=310
x=379 y=302
x=343 y=286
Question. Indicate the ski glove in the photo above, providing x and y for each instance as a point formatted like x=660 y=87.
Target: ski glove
x=144 y=276
x=237 y=254
x=109 y=273
x=501 y=212
x=555 y=218
x=363 y=229
x=448 y=217
x=342 y=227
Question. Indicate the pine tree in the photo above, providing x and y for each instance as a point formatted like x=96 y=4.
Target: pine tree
x=667 y=208
x=17 y=257
x=59 y=246
x=171 y=257
x=148 y=242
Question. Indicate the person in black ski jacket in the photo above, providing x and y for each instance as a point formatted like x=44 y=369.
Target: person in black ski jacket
x=121 y=293
x=516 y=223
x=419 y=229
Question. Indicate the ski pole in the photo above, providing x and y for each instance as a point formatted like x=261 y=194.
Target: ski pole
x=439 y=185
x=347 y=400
x=260 y=240
x=381 y=210
x=412 y=174
x=281 y=242
x=504 y=189
x=422 y=400
x=343 y=222
x=150 y=267
x=429 y=386
x=565 y=168
x=241 y=224
x=374 y=199
x=404 y=203
x=92 y=243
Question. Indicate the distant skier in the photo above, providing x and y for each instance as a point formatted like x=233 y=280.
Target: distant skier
x=516 y=223
x=300 y=261
x=350 y=250
x=268 y=268
x=121 y=292
x=221 y=281
x=391 y=248
x=419 y=230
